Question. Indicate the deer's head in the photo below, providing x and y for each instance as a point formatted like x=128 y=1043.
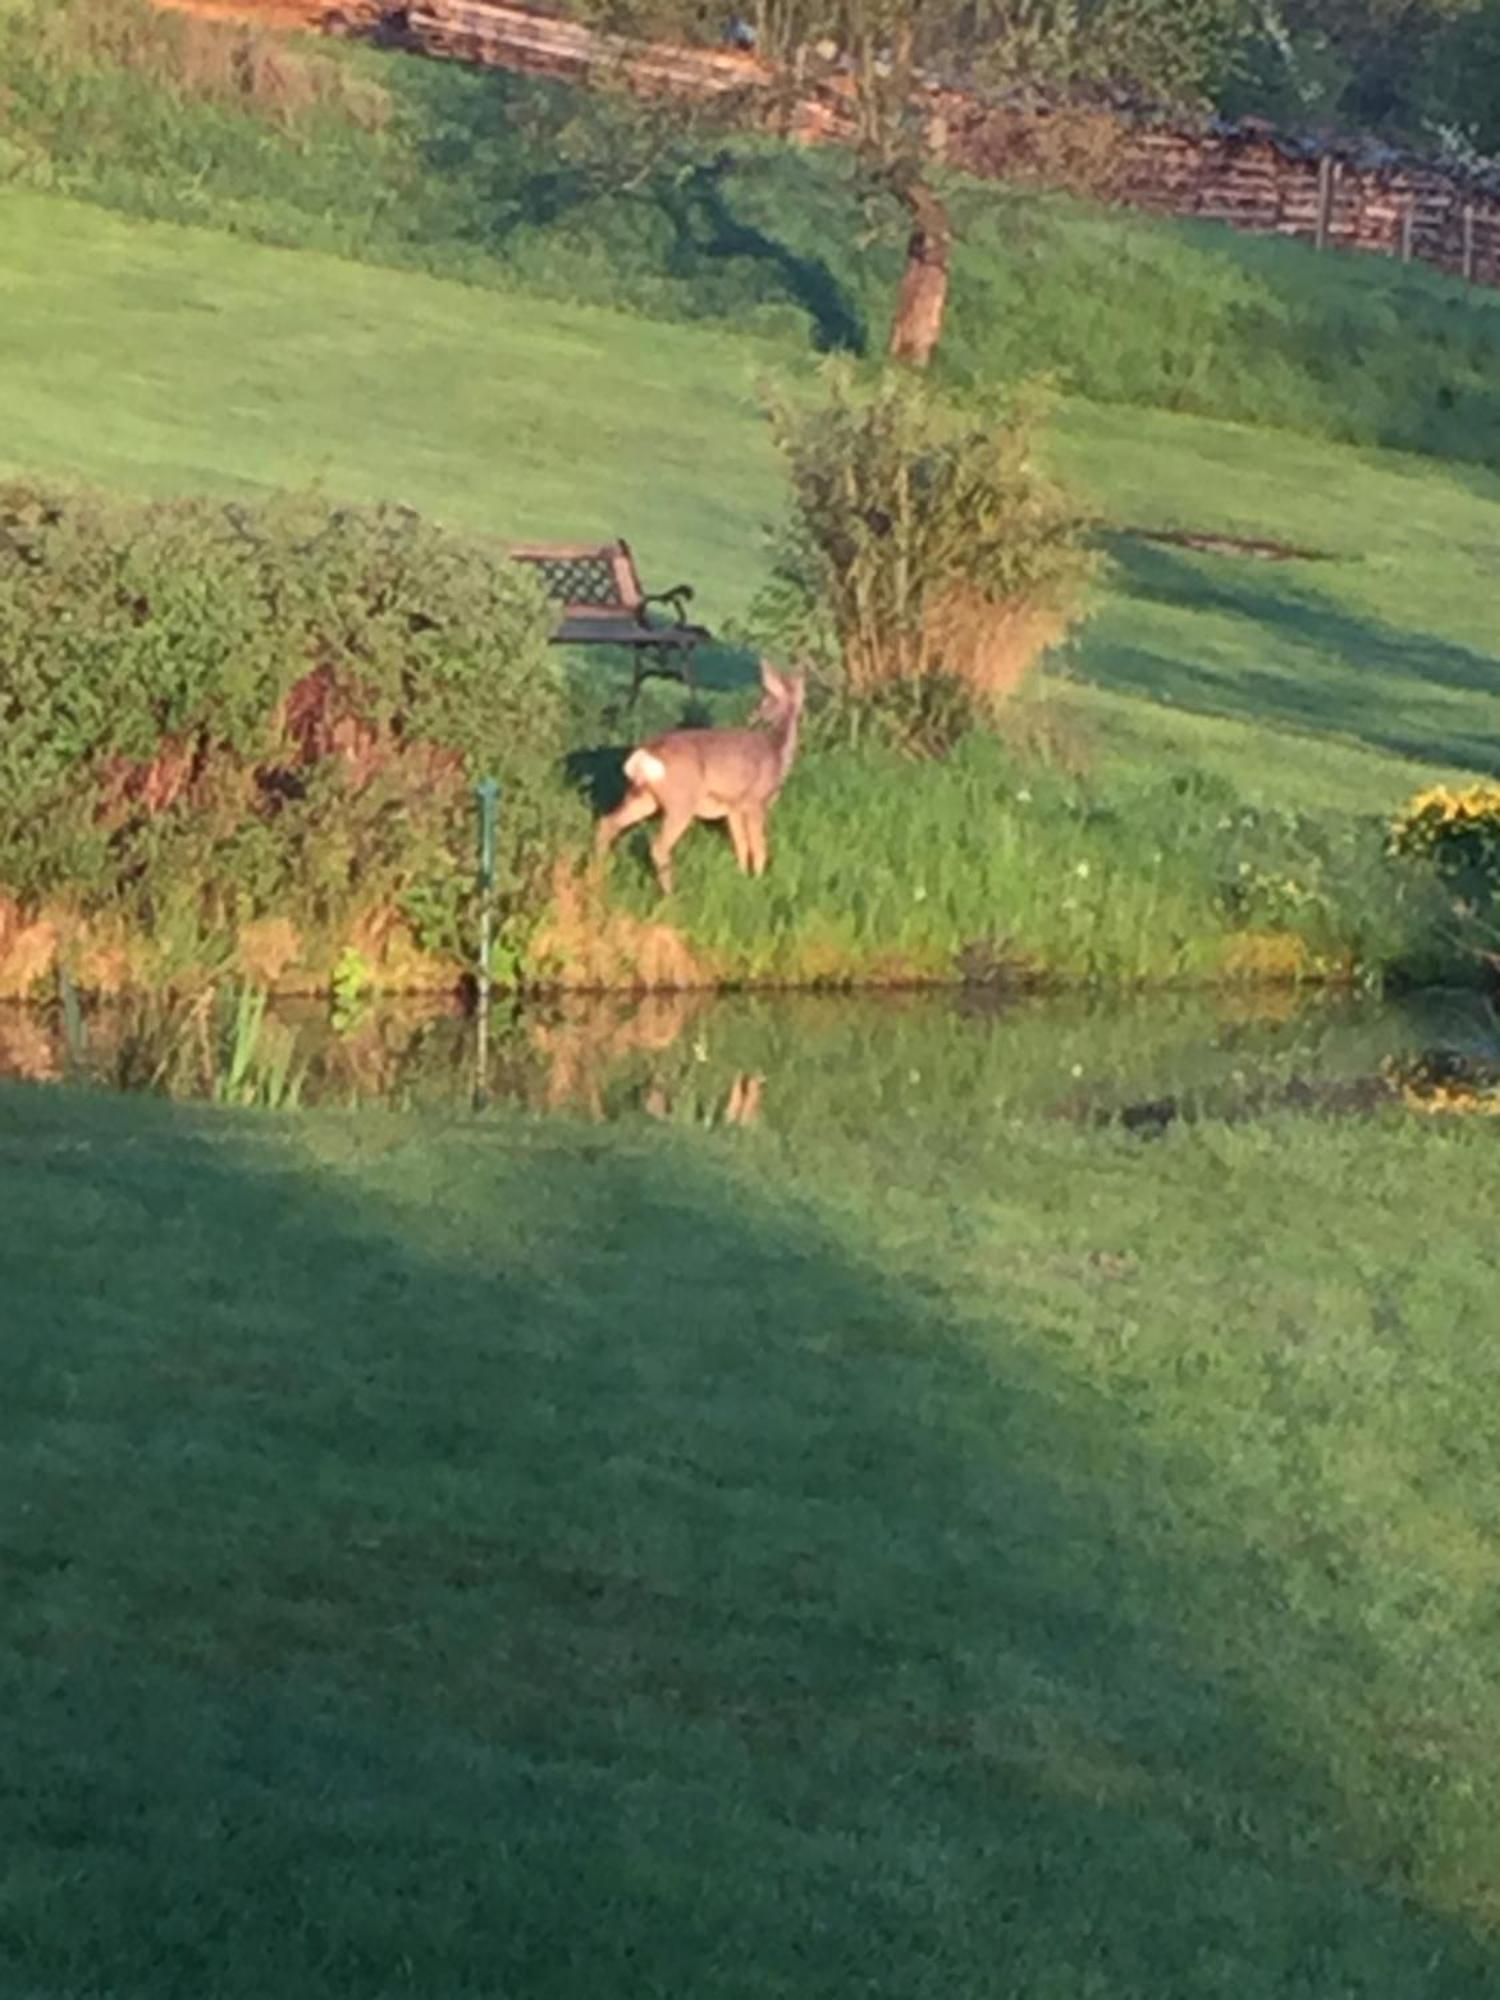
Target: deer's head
x=782 y=695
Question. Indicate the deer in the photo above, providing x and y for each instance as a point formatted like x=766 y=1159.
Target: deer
x=728 y=774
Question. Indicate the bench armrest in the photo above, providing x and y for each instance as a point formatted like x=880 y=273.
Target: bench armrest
x=680 y=596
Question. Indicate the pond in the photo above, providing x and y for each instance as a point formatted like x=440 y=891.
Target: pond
x=897 y=1061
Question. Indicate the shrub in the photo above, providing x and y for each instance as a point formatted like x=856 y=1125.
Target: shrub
x=1458 y=831
x=927 y=561
x=218 y=716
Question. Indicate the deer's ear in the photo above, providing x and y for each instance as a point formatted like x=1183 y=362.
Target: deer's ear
x=770 y=680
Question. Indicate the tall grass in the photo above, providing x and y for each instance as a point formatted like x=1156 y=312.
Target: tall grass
x=258 y=1062
x=510 y=183
x=991 y=867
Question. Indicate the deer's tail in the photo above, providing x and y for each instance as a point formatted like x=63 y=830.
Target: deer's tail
x=644 y=767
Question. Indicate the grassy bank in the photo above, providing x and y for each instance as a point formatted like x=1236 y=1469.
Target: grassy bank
x=165 y=360
x=554 y=1560
x=1222 y=746
x=513 y=185
x=993 y=865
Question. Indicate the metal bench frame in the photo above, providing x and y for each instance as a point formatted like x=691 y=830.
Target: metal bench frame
x=603 y=604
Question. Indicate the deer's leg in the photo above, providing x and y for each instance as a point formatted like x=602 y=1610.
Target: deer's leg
x=743 y=1106
x=739 y=834
x=755 y=839
x=673 y=827
x=632 y=809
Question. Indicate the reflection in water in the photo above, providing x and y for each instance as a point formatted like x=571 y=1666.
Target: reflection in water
x=938 y=1061
x=585 y=1043
x=30 y=1048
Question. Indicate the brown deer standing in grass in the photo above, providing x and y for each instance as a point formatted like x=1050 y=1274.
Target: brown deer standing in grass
x=729 y=774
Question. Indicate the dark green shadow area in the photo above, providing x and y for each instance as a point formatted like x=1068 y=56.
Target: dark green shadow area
x=513 y=1560
x=1326 y=668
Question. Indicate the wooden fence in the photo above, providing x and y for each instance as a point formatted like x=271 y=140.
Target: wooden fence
x=1340 y=195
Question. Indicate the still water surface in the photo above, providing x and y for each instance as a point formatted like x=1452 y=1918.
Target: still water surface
x=893 y=1060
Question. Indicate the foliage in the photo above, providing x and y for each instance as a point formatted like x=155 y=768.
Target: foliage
x=926 y=557
x=1457 y=827
x=258 y=1063
x=1455 y=830
x=349 y=987
x=1173 y=52
x=1459 y=78
x=218 y=714
x=1173 y=49
x=1411 y=68
x=220 y=1043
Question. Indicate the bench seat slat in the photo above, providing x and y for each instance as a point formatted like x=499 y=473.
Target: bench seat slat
x=583 y=627
x=600 y=602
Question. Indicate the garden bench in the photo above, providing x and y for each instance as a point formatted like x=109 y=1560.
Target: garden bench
x=603 y=604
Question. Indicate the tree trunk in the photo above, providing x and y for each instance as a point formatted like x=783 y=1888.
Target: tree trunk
x=923 y=299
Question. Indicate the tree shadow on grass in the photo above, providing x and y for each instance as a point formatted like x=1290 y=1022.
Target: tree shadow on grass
x=1364 y=679
x=521 y=156
x=708 y=230
x=500 y=1560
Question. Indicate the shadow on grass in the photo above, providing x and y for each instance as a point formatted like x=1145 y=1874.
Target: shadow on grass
x=598 y=774
x=708 y=230
x=1363 y=679
x=517 y=156
x=497 y=1560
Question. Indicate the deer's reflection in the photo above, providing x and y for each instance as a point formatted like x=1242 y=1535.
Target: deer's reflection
x=652 y=1052
x=741 y=1106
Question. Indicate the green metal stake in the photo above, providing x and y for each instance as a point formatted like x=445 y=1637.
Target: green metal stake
x=487 y=793
x=75 y=1033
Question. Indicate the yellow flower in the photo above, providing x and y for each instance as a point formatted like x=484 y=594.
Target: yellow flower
x=1421 y=824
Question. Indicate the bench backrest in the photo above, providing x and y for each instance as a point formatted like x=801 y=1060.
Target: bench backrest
x=585 y=576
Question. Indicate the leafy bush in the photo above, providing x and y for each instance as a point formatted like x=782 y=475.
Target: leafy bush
x=1456 y=832
x=217 y=716
x=927 y=562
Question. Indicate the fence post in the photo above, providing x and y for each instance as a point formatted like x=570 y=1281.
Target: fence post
x=1409 y=229
x=487 y=793
x=1469 y=242
x=1328 y=168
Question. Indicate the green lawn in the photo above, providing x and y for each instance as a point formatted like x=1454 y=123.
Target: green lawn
x=502 y=1558
x=923 y=1546
x=518 y=185
x=159 y=358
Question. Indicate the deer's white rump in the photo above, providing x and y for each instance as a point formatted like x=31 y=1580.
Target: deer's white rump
x=728 y=774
